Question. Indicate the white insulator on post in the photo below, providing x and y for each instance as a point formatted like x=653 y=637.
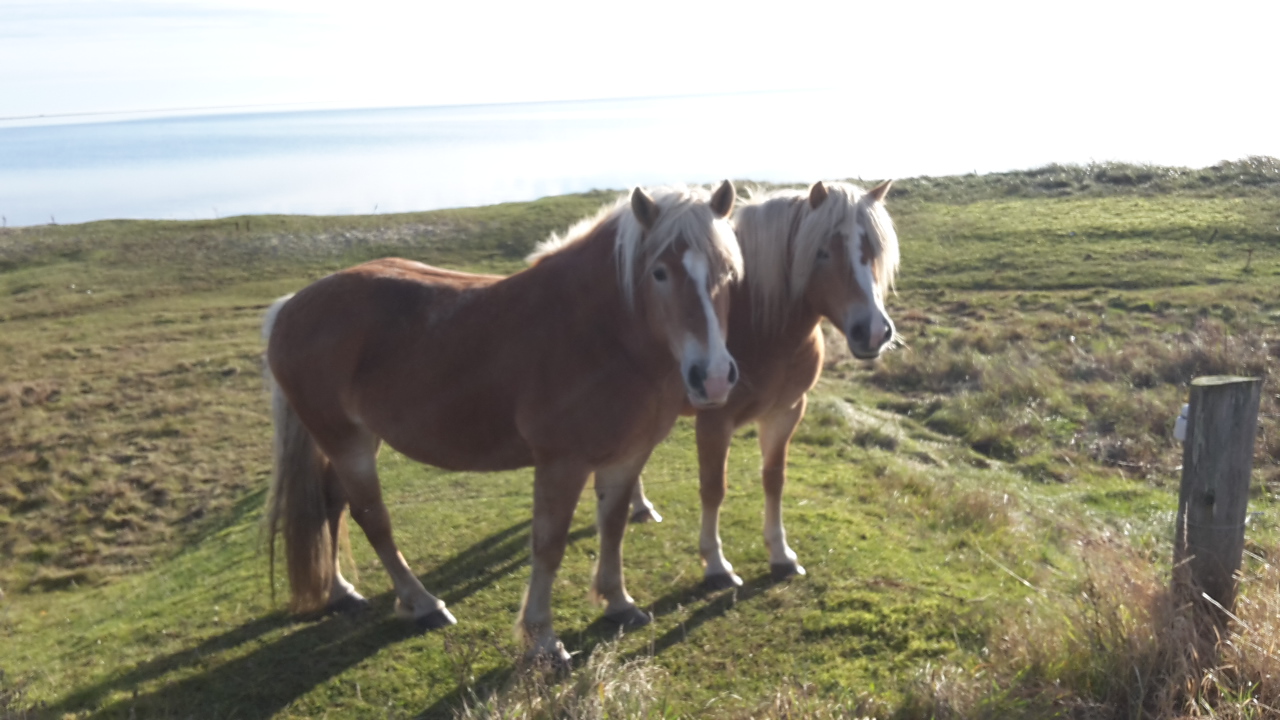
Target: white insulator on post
x=1180 y=427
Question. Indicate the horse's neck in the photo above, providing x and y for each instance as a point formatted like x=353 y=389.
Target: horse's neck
x=579 y=283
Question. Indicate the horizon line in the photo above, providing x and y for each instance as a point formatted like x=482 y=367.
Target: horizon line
x=332 y=106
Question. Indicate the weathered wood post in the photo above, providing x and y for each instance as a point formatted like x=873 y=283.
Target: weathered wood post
x=1217 y=461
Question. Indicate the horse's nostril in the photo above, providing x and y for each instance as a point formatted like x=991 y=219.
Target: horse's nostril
x=859 y=333
x=733 y=372
x=696 y=378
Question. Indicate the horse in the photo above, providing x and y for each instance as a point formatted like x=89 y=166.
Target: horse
x=830 y=252
x=578 y=364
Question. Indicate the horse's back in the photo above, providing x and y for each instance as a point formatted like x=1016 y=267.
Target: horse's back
x=412 y=271
x=367 y=303
x=395 y=347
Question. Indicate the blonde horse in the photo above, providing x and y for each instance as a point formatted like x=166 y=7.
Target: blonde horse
x=830 y=252
x=577 y=365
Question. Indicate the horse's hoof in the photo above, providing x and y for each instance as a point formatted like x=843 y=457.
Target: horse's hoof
x=722 y=581
x=783 y=571
x=435 y=620
x=556 y=659
x=645 y=515
x=348 y=605
x=630 y=617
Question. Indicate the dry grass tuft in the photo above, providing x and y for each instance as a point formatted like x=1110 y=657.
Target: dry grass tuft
x=13 y=702
x=1123 y=646
x=977 y=509
x=799 y=701
x=606 y=687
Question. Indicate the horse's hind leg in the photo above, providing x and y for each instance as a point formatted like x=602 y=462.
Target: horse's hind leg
x=614 y=490
x=343 y=596
x=358 y=475
x=776 y=429
x=641 y=509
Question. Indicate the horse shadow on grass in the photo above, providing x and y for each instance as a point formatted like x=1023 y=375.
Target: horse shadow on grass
x=719 y=603
x=265 y=676
x=583 y=643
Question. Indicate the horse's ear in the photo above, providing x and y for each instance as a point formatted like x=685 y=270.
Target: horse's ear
x=644 y=207
x=722 y=200
x=879 y=192
x=817 y=194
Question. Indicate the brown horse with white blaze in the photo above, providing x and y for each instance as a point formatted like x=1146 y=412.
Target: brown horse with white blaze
x=576 y=365
x=832 y=253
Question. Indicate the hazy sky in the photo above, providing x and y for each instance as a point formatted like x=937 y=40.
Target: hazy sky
x=1066 y=81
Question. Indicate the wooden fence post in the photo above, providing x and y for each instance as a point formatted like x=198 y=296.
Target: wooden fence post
x=1217 y=461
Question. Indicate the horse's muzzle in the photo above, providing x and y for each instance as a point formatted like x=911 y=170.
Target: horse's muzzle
x=710 y=390
x=863 y=345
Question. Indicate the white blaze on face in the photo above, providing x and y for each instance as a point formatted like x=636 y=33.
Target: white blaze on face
x=861 y=258
x=713 y=356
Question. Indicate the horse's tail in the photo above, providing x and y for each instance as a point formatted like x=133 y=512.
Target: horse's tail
x=297 y=507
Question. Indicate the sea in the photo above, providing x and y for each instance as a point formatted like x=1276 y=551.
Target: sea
x=183 y=165
x=387 y=160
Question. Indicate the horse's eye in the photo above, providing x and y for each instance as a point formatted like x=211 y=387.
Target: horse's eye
x=660 y=274
x=824 y=255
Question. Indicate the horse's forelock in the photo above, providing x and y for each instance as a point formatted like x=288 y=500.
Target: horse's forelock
x=884 y=241
x=683 y=214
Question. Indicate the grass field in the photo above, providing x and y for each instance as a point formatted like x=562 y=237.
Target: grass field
x=986 y=514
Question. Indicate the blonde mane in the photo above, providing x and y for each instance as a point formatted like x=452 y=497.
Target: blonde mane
x=781 y=234
x=684 y=212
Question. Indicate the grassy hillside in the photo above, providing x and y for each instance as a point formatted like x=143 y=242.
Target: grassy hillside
x=953 y=503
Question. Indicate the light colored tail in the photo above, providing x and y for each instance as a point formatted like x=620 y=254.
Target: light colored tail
x=297 y=507
x=269 y=317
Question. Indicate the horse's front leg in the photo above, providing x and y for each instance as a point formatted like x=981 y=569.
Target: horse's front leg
x=556 y=488
x=715 y=432
x=776 y=429
x=615 y=489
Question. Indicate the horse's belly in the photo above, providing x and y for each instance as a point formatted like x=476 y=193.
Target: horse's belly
x=458 y=441
x=474 y=458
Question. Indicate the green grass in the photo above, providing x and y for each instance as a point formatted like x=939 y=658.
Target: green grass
x=896 y=580
x=1052 y=319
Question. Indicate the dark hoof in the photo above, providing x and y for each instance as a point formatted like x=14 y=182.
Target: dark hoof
x=722 y=581
x=646 y=515
x=785 y=571
x=348 y=605
x=632 y=617
x=434 y=620
x=558 y=660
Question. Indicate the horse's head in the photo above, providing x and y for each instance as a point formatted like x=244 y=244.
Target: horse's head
x=678 y=273
x=854 y=256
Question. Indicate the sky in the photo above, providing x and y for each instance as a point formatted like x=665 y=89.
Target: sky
x=1019 y=83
